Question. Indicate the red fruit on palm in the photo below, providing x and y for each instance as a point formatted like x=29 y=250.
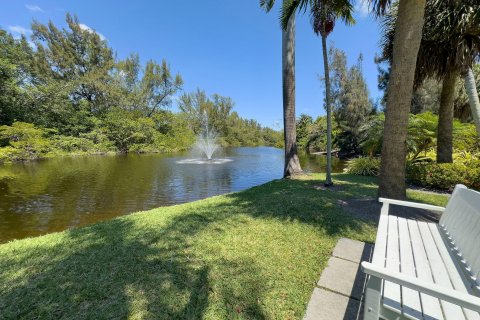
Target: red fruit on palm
x=328 y=26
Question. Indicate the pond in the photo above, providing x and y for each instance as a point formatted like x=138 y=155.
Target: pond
x=51 y=195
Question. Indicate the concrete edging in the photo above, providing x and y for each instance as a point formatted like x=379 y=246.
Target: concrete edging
x=339 y=292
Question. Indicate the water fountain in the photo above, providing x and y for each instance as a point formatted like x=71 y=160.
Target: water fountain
x=206 y=145
x=207 y=140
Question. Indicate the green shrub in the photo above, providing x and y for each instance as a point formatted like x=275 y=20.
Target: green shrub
x=465 y=138
x=126 y=130
x=444 y=176
x=23 y=142
x=73 y=144
x=363 y=166
x=100 y=140
x=9 y=154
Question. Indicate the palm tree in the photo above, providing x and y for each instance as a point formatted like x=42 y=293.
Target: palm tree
x=323 y=14
x=408 y=34
x=450 y=43
x=471 y=88
x=292 y=163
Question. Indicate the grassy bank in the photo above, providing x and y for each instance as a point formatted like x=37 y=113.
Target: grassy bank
x=255 y=254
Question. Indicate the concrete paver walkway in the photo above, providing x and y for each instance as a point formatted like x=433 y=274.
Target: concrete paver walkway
x=339 y=292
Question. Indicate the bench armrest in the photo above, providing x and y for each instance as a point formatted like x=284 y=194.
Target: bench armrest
x=456 y=297
x=412 y=204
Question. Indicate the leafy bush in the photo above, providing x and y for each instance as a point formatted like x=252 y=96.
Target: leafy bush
x=100 y=140
x=23 y=141
x=445 y=176
x=126 y=130
x=73 y=144
x=422 y=135
x=363 y=166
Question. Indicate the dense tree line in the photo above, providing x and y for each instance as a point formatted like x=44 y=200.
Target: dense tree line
x=230 y=127
x=66 y=92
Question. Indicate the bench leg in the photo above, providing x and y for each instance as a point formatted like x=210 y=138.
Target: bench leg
x=373 y=293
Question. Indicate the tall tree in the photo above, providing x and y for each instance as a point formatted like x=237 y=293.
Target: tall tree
x=408 y=34
x=292 y=163
x=150 y=92
x=445 y=119
x=78 y=57
x=324 y=13
x=15 y=77
x=351 y=102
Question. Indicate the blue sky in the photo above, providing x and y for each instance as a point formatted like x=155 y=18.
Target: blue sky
x=228 y=47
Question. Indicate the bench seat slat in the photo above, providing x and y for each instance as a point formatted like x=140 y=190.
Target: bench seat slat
x=379 y=253
x=391 y=291
x=454 y=269
x=412 y=308
x=430 y=305
x=439 y=271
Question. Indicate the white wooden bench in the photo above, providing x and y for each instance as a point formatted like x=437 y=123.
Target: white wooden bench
x=422 y=270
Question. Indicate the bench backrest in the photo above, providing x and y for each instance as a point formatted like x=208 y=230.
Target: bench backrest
x=461 y=220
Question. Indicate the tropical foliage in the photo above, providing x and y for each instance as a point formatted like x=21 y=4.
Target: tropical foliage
x=449 y=46
x=363 y=166
x=421 y=145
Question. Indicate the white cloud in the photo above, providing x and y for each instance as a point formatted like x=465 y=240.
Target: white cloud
x=34 y=8
x=87 y=28
x=362 y=7
x=19 y=30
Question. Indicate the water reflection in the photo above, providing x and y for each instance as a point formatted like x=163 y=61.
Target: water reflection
x=318 y=163
x=56 y=194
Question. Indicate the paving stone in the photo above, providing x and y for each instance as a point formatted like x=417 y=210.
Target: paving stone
x=327 y=305
x=352 y=250
x=344 y=277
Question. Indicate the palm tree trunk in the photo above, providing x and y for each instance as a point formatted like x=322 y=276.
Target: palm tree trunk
x=328 y=180
x=445 y=119
x=471 y=88
x=292 y=163
x=408 y=34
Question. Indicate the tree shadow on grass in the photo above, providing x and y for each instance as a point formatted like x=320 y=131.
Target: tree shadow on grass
x=108 y=271
x=299 y=200
x=146 y=266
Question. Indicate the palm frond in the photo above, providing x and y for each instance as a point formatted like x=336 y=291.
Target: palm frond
x=380 y=7
x=267 y=4
x=289 y=8
x=450 y=39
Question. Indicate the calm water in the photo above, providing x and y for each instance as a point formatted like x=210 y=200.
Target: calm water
x=52 y=195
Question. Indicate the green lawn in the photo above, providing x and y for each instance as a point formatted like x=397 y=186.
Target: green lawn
x=254 y=254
